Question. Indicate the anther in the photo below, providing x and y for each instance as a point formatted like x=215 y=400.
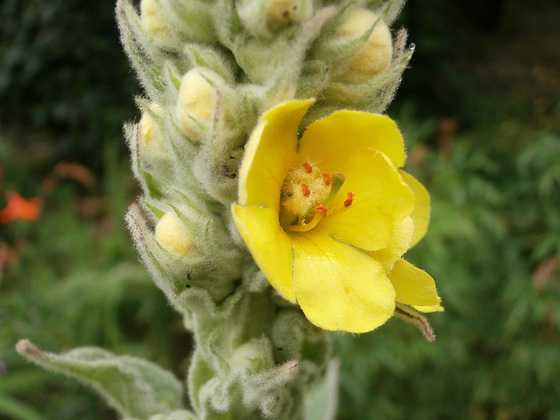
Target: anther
x=327 y=179
x=306 y=190
x=349 y=200
x=321 y=209
x=308 y=167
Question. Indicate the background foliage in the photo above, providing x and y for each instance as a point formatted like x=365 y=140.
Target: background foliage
x=481 y=117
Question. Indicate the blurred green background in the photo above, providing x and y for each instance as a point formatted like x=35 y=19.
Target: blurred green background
x=480 y=111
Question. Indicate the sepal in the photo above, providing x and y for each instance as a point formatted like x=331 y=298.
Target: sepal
x=143 y=48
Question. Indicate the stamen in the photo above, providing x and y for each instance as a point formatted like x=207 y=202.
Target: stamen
x=327 y=178
x=308 y=226
x=308 y=167
x=306 y=190
x=321 y=209
x=337 y=181
x=349 y=200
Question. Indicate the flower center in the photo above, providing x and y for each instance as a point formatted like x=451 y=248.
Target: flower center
x=305 y=196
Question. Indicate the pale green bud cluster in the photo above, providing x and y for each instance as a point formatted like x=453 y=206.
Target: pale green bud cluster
x=209 y=69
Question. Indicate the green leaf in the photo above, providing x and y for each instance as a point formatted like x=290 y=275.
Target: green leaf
x=134 y=387
x=13 y=409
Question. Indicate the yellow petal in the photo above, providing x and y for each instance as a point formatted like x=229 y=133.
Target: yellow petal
x=269 y=153
x=270 y=246
x=421 y=212
x=413 y=286
x=381 y=199
x=426 y=309
x=401 y=239
x=336 y=137
x=339 y=287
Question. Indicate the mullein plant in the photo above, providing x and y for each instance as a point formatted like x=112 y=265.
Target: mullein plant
x=274 y=206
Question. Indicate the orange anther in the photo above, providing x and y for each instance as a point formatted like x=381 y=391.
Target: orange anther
x=306 y=190
x=349 y=200
x=308 y=167
x=327 y=178
x=321 y=209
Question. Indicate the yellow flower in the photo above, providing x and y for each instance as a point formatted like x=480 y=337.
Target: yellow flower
x=327 y=218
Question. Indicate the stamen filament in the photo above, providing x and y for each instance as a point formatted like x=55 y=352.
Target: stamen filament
x=336 y=184
x=319 y=213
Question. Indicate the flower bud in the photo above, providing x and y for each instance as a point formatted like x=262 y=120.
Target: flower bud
x=150 y=133
x=251 y=355
x=153 y=20
x=173 y=235
x=261 y=18
x=284 y=12
x=199 y=102
x=374 y=56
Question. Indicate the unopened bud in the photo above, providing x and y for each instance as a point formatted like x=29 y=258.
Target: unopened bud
x=251 y=355
x=261 y=18
x=173 y=235
x=284 y=12
x=150 y=132
x=199 y=103
x=374 y=56
x=153 y=19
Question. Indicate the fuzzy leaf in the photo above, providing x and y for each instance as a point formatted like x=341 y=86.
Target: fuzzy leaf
x=175 y=415
x=134 y=387
x=322 y=401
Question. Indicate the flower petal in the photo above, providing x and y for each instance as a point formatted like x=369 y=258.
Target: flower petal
x=413 y=286
x=269 y=153
x=339 y=287
x=401 y=239
x=339 y=135
x=270 y=246
x=426 y=309
x=421 y=212
x=381 y=199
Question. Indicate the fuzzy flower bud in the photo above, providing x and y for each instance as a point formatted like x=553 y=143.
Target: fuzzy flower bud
x=199 y=102
x=173 y=235
x=153 y=20
x=262 y=18
x=283 y=12
x=374 y=56
x=251 y=355
x=150 y=132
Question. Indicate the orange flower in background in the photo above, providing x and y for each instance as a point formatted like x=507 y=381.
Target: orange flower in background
x=19 y=208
